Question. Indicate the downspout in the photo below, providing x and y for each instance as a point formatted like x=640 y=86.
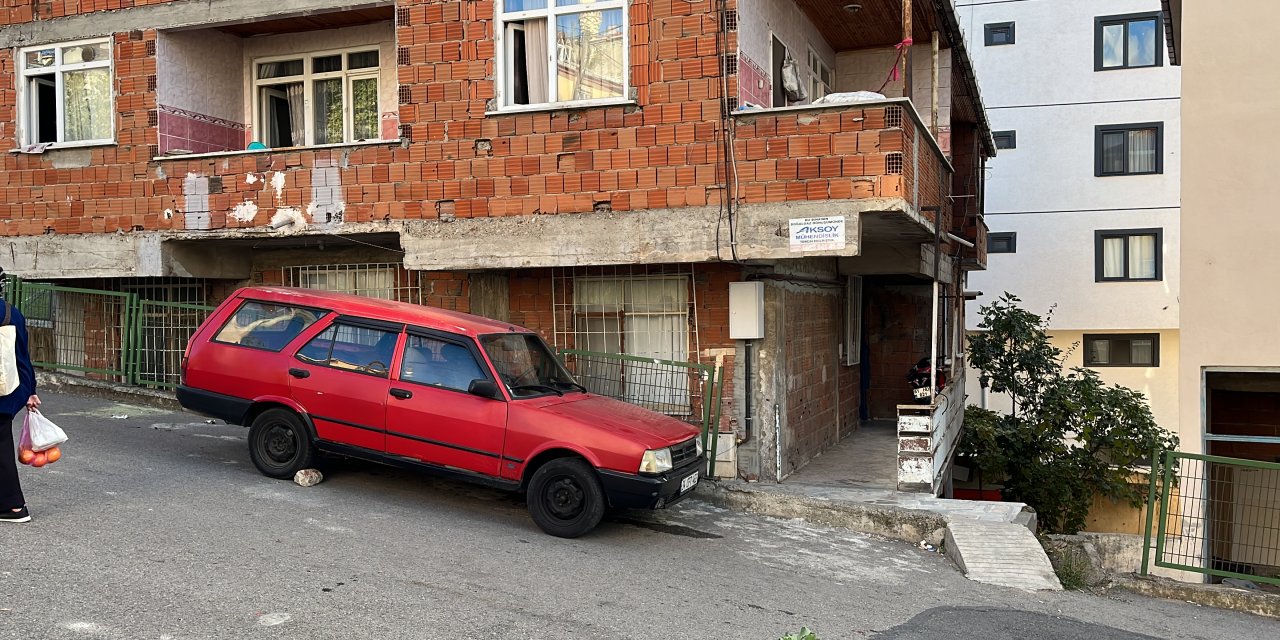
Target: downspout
x=748 y=418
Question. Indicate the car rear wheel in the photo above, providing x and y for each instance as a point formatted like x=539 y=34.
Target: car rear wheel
x=565 y=498
x=279 y=444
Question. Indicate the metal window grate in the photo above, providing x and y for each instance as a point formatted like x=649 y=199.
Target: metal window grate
x=644 y=313
x=730 y=20
x=388 y=281
x=893 y=117
x=893 y=163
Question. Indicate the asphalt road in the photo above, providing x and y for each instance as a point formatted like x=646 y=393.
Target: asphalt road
x=156 y=525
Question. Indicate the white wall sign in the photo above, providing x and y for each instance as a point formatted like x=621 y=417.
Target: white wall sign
x=817 y=234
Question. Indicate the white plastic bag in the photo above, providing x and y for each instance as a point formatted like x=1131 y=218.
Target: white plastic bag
x=43 y=432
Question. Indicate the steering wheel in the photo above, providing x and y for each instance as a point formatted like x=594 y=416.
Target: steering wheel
x=376 y=366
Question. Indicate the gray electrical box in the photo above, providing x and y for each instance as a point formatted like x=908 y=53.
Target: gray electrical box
x=746 y=310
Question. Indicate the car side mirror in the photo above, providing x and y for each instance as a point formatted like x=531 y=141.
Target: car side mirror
x=485 y=389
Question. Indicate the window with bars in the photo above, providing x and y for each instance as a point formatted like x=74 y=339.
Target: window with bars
x=1128 y=254
x=643 y=315
x=1122 y=350
x=1129 y=149
x=378 y=280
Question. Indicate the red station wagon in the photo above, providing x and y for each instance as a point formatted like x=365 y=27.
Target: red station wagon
x=311 y=371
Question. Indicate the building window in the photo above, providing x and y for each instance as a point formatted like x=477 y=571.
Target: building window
x=1122 y=350
x=1002 y=242
x=66 y=93
x=1128 y=254
x=1005 y=139
x=326 y=97
x=569 y=51
x=998 y=33
x=1129 y=149
x=820 y=79
x=1128 y=41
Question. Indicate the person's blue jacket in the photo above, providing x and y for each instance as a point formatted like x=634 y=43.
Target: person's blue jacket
x=11 y=404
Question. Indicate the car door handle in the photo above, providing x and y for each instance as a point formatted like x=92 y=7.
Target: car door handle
x=403 y=394
x=299 y=373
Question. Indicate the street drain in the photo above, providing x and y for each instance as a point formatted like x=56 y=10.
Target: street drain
x=674 y=529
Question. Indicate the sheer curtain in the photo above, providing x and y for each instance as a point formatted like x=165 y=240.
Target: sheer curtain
x=1142 y=151
x=1142 y=257
x=86 y=100
x=328 y=123
x=1113 y=257
x=536 y=61
x=297 y=114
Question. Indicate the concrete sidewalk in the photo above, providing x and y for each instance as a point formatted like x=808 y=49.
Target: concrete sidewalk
x=992 y=542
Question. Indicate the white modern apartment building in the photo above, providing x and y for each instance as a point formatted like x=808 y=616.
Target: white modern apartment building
x=1082 y=199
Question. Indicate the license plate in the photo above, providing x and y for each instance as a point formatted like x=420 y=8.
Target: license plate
x=689 y=482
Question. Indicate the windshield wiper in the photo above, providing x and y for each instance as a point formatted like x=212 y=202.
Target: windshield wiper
x=580 y=387
x=542 y=387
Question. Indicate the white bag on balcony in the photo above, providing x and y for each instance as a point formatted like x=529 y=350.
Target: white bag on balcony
x=791 y=84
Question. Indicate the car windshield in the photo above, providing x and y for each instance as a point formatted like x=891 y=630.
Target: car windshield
x=527 y=366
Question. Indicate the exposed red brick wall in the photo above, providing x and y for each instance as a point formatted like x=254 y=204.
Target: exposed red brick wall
x=19 y=11
x=815 y=386
x=664 y=151
x=896 y=328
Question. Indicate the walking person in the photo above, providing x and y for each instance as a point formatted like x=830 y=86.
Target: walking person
x=13 y=506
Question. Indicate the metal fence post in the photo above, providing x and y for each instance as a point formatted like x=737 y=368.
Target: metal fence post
x=1151 y=505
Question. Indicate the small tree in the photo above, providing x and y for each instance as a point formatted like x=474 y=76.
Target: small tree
x=1068 y=438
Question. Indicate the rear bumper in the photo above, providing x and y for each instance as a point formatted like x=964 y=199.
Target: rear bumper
x=229 y=409
x=634 y=491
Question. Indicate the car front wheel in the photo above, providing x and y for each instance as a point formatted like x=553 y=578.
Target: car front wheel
x=565 y=498
x=279 y=444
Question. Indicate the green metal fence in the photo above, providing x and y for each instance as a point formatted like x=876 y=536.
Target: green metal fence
x=105 y=335
x=686 y=390
x=1217 y=516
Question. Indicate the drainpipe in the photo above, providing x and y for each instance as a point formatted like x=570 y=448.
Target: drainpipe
x=748 y=417
x=933 y=321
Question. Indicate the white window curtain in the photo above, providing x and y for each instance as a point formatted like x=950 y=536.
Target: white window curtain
x=1142 y=151
x=536 y=60
x=1141 y=351
x=1113 y=257
x=1142 y=257
x=86 y=97
x=1100 y=352
x=297 y=113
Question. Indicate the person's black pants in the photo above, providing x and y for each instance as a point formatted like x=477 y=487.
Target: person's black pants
x=10 y=489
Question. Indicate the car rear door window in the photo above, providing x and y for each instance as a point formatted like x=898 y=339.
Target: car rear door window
x=266 y=325
x=352 y=348
x=441 y=363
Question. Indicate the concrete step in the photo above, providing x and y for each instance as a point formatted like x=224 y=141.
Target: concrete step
x=1004 y=554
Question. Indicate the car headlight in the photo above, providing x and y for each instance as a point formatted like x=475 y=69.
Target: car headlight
x=655 y=461
x=700 y=447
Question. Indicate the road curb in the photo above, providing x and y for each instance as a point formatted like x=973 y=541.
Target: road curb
x=907 y=525
x=48 y=381
x=1209 y=595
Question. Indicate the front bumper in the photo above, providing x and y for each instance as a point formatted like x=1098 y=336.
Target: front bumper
x=635 y=491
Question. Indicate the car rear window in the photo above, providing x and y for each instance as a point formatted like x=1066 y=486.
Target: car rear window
x=266 y=325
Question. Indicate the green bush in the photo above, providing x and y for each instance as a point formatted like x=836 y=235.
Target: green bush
x=1068 y=437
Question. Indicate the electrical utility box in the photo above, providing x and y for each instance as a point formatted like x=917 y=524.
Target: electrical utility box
x=746 y=310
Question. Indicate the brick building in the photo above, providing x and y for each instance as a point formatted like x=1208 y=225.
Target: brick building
x=602 y=181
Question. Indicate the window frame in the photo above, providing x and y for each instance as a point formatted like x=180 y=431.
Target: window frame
x=1100 y=22
x=504 y=79
x=321 y=316
x=355 y=322
x=1100 y=235
x=1011 y=134
x=308 y=78
x=1090 y=338
x=815 y=76
x=1100 y=130
x=991 y=28
x=853 y=321
x=460 y=340
x=24 y=98
x=1010 y=236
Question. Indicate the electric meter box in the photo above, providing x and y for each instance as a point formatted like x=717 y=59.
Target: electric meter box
x=746 y=310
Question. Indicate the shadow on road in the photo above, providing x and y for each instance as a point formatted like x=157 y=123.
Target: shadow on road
x=1001 y=624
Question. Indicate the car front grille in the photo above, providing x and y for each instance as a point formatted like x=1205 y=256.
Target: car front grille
x=683 y=453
